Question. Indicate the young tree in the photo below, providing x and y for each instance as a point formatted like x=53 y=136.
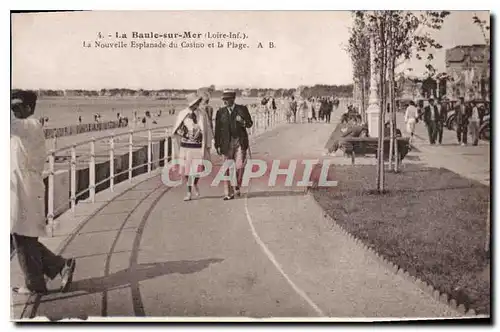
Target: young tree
x=359 y=50
x=398 y=35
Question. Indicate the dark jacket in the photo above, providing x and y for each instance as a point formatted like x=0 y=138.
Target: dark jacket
x=226 y=127
x=324 y=108
x=440 y=115
x=463 y=117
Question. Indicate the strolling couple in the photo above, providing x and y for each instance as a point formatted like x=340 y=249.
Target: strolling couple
x=195 y=134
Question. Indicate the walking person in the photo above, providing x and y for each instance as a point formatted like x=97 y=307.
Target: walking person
x=27 y=148
x=231 y=138
x=303 y=110
x=288 y=115
x=411 y=119
x=321 y=109
x=324 y=109
x=293 y=108
x=193 y=130
x=310 y=110
x=462 y=119
x=430 y=120
x=474 y=123
x=442 y=111
x=314 y=109
x=329 y=110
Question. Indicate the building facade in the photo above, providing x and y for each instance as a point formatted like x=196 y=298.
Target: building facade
x=468 y=72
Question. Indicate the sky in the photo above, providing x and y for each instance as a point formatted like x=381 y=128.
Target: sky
x=47 y=49
x=457 y=29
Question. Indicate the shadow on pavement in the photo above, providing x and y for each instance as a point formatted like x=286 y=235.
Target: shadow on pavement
x=128 y=276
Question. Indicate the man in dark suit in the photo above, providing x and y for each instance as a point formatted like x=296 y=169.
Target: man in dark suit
x=462 y=112
x=329 y=110
x=442 y=110
x=431 y=117
x=231 y=137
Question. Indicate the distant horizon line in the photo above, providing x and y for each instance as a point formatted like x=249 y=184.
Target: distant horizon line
x=159 y=89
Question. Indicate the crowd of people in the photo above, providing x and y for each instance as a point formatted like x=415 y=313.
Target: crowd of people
x=434 y=113
x=311 y=109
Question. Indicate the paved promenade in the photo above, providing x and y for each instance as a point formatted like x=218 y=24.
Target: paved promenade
x=142 y=251
x=470 y=161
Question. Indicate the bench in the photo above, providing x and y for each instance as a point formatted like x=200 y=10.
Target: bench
x=356 y=146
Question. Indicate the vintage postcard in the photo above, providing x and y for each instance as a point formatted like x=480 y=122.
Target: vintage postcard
x=250 y=166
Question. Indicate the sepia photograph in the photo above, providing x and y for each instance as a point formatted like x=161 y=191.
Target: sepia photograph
x=250 y=166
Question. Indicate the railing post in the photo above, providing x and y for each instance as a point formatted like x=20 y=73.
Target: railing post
x=112 y=163
x=73 y=178
x=92 y=171
x=130 y=159
x=165 y=148
x=50 y=200
x=149 y=150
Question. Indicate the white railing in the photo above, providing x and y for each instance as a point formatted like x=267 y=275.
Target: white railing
x=112 y=146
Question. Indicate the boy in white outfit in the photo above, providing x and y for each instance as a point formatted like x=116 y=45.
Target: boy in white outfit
x=411 y=118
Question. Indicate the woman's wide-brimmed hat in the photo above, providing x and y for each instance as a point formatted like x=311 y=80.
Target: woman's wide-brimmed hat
x=228 y=94
x=193 y=99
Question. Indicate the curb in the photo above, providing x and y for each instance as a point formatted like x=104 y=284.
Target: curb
x=424 y=286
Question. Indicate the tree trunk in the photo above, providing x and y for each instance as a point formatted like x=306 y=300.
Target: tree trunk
x=363 y=108
x=391 y=94
x=396 y=146
x=380 y=150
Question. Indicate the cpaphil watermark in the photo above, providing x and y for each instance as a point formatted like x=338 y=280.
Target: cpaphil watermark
x=294 y=172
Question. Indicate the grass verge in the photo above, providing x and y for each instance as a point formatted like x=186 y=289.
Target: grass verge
x=431 y=222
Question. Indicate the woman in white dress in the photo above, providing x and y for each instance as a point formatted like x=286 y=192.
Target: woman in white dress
x=194 y=137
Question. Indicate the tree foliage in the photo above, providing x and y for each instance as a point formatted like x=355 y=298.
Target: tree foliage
x=358 y=48
x=484 y=26
x=411 y=35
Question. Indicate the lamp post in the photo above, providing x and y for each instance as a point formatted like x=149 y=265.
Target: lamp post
x=373 y=111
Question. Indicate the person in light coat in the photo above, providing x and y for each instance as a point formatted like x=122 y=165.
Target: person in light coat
x=411 y=116
x=474 y=123
x=193 y=134
x=27 y=222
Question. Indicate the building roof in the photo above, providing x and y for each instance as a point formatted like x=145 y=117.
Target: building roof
x=476 y=52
